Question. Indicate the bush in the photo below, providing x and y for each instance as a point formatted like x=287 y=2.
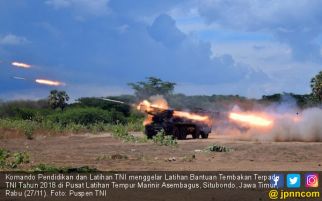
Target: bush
x=10 y=160
x=45 y=168
x=29 y=130
x=24 y=113
x=19 y=158
x=105 y=105
x=73 y=128
x=87 y=116
x=218 y=148
x=161 y=139
x=4 y=155
x=135 y=126
x=121 y=132
x=22 y=109
x=27 y=127
x=54 y=169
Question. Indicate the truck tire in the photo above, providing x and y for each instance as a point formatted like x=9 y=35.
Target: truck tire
x=183 y=135
x=196 y=134
x=150 y=131
x=179 y=133
x=204 y=135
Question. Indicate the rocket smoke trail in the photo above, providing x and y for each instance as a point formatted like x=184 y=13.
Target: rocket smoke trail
x=20 y=64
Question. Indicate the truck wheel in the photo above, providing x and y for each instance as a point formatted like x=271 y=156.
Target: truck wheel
x=176 y=132
x=183 y=132
x=183 y=135
x=179 y=133
x=150 y=132
x=204 y=135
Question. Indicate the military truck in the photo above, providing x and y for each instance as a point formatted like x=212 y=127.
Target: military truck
x=177 y=126
x=167 y=120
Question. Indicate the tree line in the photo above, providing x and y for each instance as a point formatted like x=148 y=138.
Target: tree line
x=58 y=101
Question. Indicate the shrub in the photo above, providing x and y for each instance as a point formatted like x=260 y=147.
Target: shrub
x=24 y=113
x=45 y=168
x=105 y=105
x=218 y=148
x=135 y=126
x=118 y=156
x=22 y=109
x=161 y=139
x=73 y=128
x=98 y=127
x=19 y=158
x=28 y=133
x=12 y=160
x=121 y=132
x=4 y=155
x=27 y=127
x=87 y=116
x=54 y=169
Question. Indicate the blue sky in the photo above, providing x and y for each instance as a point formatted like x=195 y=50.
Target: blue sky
x=96 y=47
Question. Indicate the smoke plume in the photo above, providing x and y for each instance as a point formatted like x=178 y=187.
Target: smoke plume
x=159 y=100
x=305 y=126
x=289 y=123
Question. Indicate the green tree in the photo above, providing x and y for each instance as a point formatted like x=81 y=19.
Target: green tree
x=153 y=86
x=58 y=99
x=316 y=85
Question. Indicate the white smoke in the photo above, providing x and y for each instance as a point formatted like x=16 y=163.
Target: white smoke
x=159 y=100
x=307 y=128
x=291 y=125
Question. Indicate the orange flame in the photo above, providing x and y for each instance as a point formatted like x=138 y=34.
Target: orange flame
x=191 y=116
x=143 y=106
x=146 y=106
x=251 y=119
x=20 y=65
x=49 y=82
x=148 y=120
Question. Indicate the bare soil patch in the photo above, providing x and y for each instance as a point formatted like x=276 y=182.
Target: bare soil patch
x=104 y=152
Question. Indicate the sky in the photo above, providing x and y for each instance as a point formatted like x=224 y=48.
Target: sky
x=240 y=47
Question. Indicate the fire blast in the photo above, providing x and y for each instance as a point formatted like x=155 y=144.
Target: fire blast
x=172 y=122
x=251 y=119
x=146 y=106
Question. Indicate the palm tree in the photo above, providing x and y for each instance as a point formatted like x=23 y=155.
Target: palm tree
x=58 y=99
x=316 y=85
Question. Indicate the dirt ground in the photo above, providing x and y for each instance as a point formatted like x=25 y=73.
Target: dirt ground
x=103 y=152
